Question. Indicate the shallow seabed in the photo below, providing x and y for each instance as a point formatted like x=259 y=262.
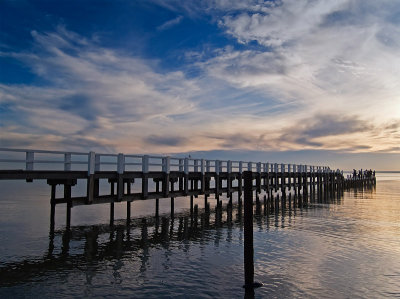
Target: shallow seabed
x=333 y=248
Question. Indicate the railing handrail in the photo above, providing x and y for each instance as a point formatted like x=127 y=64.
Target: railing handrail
x=3 y=149
x=187 y=164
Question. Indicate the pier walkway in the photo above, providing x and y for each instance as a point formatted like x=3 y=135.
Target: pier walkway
x=141 y=177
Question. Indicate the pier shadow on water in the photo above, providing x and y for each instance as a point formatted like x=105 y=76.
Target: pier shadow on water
x=196 y=253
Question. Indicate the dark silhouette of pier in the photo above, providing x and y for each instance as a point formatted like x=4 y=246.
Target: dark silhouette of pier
x=140 y=177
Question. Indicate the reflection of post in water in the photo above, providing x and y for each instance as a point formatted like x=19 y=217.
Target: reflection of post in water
x=180 y=228
x=66 y=237
x=119 y=241
x=277 y=204
x=186 y=228
x=91 y=243
x=171 y=228
x=229 y=214
x=218 y=215
x=164 y=229
x=258 y=215
x=195 y=216
x=51 y=244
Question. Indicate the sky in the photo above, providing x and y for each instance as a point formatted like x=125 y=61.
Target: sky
x=295 y=81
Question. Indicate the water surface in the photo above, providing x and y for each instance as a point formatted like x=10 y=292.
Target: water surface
x=347 y=247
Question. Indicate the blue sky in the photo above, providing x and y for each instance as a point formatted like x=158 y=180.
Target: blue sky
x=293 y=81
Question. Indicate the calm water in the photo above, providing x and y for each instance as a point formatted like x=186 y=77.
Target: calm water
x=344 y=248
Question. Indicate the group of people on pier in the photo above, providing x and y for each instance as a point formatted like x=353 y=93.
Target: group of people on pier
x=363 y=174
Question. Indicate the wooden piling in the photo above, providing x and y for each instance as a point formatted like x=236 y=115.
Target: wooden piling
x=67 y=196
x=112 y=205
x=128 y=203
x=52 y=207
x=248 y=232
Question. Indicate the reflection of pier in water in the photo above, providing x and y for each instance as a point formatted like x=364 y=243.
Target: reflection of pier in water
x=105 y=243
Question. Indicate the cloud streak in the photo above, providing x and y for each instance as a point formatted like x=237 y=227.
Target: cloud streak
x=170 y=23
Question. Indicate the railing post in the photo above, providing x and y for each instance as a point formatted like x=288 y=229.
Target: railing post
x=67 y=162
x=145 y=179
x=249 y=166
x=166 y=170
x=240 y=167
x=186 y=178
x=91 y=163
x=145 y=164
x=217 y=167
x=186 y=166
x=229 y=166
x=120 y=171
x=29 y=160
x=121 y=163
x=203 y=181
x=180 y=164
x=91 y=188
x=166 y=164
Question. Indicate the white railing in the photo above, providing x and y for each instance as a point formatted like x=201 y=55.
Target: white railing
x=120 y=162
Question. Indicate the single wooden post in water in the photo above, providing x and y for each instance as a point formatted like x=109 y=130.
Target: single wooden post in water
x=112 y=205
x=249 y=283
x=53 y=208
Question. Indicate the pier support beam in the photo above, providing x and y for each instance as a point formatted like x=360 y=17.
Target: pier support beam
x=67 y=196
x=128 y=203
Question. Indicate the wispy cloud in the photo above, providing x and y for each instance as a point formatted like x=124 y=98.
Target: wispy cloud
x=90 y=91
x=170 y=23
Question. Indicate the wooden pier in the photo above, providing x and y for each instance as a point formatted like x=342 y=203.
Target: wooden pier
x=140 y=177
